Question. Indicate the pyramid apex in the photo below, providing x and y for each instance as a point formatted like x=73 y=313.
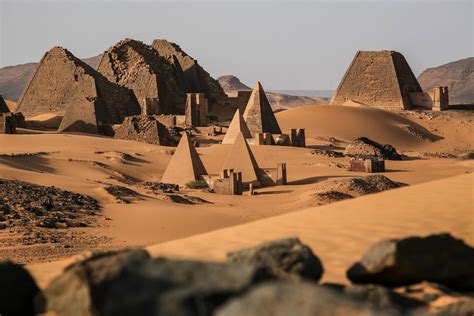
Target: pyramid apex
x=258 y=86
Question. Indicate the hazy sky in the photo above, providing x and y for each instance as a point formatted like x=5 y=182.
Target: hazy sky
x=285 y=44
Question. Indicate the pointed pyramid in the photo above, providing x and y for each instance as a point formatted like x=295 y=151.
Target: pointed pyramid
x=241 y=159
x=259 y=114
x=185 y=165
x=3 y=106
x=378 y=78
x=237 y=125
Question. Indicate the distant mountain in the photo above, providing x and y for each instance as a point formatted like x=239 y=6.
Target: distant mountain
x=457 y=75
x=14 y=78
x=231 y=84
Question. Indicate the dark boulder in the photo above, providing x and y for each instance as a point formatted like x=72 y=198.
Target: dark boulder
x=437 y=258
x=286 y=259
x=283 y=298
x=366 y=148
x=17 y=290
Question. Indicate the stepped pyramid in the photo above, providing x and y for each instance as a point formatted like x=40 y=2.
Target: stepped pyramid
x=185 y=165
x=3 y=106
x=137 y=66
x=381 y=78
x=237 y=125
x=241 y=159
x=64 y=85
x=193 y=77
x=259 y=114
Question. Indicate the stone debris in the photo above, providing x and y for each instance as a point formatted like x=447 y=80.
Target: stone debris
x=28 y=208
x=436 y=258
x=144 y=128
x=286 y=259
x=123 y=194
x=327 y=153
x=366 y=148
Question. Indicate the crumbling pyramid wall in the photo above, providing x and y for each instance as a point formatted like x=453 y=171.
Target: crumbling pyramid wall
x=139 y=67
x=259 y=114
x=64 y=85
x=193 y=77
x=378 y=78
x=144 y=128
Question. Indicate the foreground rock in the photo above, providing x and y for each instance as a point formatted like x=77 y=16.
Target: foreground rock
x=17 y=290
x=302 y=299
x=436 y=258
x=286 y=259
x=129 y=283
x=363 y=147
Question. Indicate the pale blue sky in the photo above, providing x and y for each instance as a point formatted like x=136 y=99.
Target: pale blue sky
x=285 y=44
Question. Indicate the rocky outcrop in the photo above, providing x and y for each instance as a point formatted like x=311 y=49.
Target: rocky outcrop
x=437 y=258
x=192 y=76
x=144 y=128
x=17 y=290
x=458 y=76
x=231 y=83
x=286 y=259
x=365 y=148
x=137 y=66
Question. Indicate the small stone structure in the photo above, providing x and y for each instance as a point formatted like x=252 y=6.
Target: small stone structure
x=367 y=165
x=64 y=85
x=229 y=183
x=196 y=109
x=240 y=100
x=274 y=176
x=378 y=78
x=185 y=165
x=7 y=123
x=144 y=128
x=297 y=137
x=437 y=100
x=170 y=120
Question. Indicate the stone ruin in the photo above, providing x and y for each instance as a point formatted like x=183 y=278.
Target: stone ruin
x=139 y=67
x=384 y=79
x=229 y=183
x=191 y=75
x=185 y=165
x=365 y=148
x=196 y=109
x=370 y=165
x=64 y=85
x=9 y=121
x=144 y=128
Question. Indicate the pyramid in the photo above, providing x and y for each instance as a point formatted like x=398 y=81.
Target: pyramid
x=3 y=106
x=64 y=85
x=193 y=77
x=137 y=66
x=259 y=114
x=236 y=125
x=241 y=159
x=378 y=78
x=185 y=165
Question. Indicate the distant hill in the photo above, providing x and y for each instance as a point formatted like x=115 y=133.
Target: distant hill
x=231 y=84
x=457 y=75
x=14 y=78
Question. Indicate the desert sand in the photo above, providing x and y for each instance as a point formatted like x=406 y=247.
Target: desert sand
x=438 y=198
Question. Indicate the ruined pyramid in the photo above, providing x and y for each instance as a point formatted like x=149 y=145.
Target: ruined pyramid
x=64 y=85
x=193 y=77
x=3 y=106
x=185 y=165
x=240 y=158
x=137 y=66
x=237 y=125
x=259 y=114
x=378 y=78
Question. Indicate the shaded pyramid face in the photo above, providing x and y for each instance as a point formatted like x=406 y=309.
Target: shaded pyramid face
x=378 y=78
x=237 y=125
x=185 y=165
x=259 y=114
x=3 y=106
x=240 y=158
